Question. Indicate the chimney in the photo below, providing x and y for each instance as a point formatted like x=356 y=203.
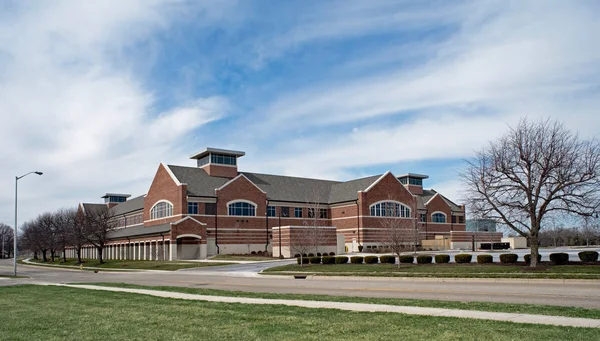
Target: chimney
x=218 y=162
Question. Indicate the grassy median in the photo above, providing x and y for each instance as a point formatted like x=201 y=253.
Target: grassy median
x=472 y=270
x=481 y=306
x=130 y=264
x=58 y=313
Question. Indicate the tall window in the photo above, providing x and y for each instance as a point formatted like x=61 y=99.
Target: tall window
x=423 y=217
x=271 y=211
x=285 y=211
x=323 y=213
x=390 y=209
x=438 y=218
x=298 y=212
x=242 y=208
x=161 y=209
x=193 y=208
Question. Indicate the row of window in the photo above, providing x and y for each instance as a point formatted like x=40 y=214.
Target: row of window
x=411 y=181
x=390 y=209
x=132 y=220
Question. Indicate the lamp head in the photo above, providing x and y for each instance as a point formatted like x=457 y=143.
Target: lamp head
x=38 y=173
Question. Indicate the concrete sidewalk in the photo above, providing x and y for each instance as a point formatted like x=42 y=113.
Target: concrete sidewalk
x=482 y=315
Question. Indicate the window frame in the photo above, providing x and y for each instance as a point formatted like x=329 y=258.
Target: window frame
x=439 y=213
x=403 y=210
x=271 y=211
x=196 y=204
x=168 y=210
x=296 y=210
x=252 y=208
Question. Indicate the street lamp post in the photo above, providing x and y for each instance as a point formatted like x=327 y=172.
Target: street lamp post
x=15 y=234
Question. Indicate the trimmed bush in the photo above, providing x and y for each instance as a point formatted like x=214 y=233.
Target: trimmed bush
x=311 y=254
x=253 y=252
x=559 y=258
x=297 y=255
x=356 y=259
x=588 y=256
x=328 y=260
x=260 y=252
x=315 y=260
x=341 y=260
x=442 y=259
x=332 y=253
x=407 y=259
x=387 y=259
x=483 y=259
x=304 y=255
x=508 y=258
x=318 y=254
x=305 y=260
x=424 y=259
x=528 y=258
x=371 y=259
x=463 y=258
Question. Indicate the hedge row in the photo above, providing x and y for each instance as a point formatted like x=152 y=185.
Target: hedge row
x=313 y=255
x=506 y=258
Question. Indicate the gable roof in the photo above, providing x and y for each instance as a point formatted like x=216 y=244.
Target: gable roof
x=199 y=183
x=93 y=208
x=429 y=194
x=347 y=191
x=128 y=206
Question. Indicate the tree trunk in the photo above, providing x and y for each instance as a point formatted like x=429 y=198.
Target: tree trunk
x=44 y=255
x=52 y=255
x=35 y=255
x=100 y=255
x=398 y=259
x=64 y=251
x=534 y=250
x=78 y=255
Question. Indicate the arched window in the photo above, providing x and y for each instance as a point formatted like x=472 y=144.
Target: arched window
x=438 y=217
x=161 y=209
x=242 y=208
x=390 y=209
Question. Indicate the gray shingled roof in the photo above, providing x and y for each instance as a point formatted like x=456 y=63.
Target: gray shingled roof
x=428 y=194
x=139 y=231
x=199 y=183
x=128 y=206
x=289 y=188
x=91 y=208
x=347 y=191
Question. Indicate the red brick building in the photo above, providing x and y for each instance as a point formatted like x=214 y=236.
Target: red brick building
x=211 y=208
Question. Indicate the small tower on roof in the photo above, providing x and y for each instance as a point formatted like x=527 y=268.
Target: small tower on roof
x=218 y=162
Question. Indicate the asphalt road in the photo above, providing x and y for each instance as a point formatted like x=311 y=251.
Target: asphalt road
x=245 y=278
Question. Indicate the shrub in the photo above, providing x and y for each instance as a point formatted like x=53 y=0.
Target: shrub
x=304 y=255
x=387 y=259
x=371 y=259
x=297 y=255
x=424 y=259
x=332 y=253
x=253 y=252
x=528 y=258
x=482 y=259
x=341 y=260
x=442 y=259
x=508 y=258
x=328 y=260
x=407 y=259
x=588 y=256
x=315 y=260
x=311 y=254
x=559 y=258
x=305 y=260
x=360 y=248
x=463 y=258
x=318 y=254
x=260 y=252
x=356 y=259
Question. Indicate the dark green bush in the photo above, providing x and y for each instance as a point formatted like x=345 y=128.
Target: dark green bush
x=318 y=254
x=508 y=258
x=528 y=258
x=407 y=259
x=311 y=254
x=559 y=258
x=304 y=255
x=315 y=260
x=341 y=260
x=371 y=259
x=481 y=259
x=387 y=259
x=296 y=255
x=328 y=260
x=463 y=258
x=588 y=256
x=305 y=260
x=442 y=259
x=424 y=259
x=332 y=253
x=356 y=259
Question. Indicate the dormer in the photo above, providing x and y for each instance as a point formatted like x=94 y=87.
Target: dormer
x=218 y=162
x=113 y=199
x=413 y=182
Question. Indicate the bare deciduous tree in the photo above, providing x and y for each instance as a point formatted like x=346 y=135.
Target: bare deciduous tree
x=6 y=238
x=316 y=220
x=99 y=222
x=301 y=241
x=400 y=227
x=535 y=169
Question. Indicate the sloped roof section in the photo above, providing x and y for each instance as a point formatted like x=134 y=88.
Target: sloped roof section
x=199 y=183
x=128 y=206
x=347 y=191
x=139 y=231
x=430 y=193
x=93 y=208
x=288 y=188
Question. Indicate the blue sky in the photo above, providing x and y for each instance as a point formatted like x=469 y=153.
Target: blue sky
x=97 y=94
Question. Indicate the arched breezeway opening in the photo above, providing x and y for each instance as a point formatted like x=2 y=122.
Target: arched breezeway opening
x=189 y=247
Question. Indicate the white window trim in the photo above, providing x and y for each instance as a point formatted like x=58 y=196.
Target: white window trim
x=394 y=201
x=440 y=212
x=158 y=202
x=246 y=201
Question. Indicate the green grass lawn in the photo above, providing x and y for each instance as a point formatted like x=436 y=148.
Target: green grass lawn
x=482 y=306
x=472 y=270
x=11 y=276
x=254 y=258
x=131 y=264
x=59 y=313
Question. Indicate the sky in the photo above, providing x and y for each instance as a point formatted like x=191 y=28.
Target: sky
x=96 y=94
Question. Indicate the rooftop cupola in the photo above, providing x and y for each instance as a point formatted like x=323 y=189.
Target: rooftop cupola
x=112 y=199
x=414 y=182
x=218 y=162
